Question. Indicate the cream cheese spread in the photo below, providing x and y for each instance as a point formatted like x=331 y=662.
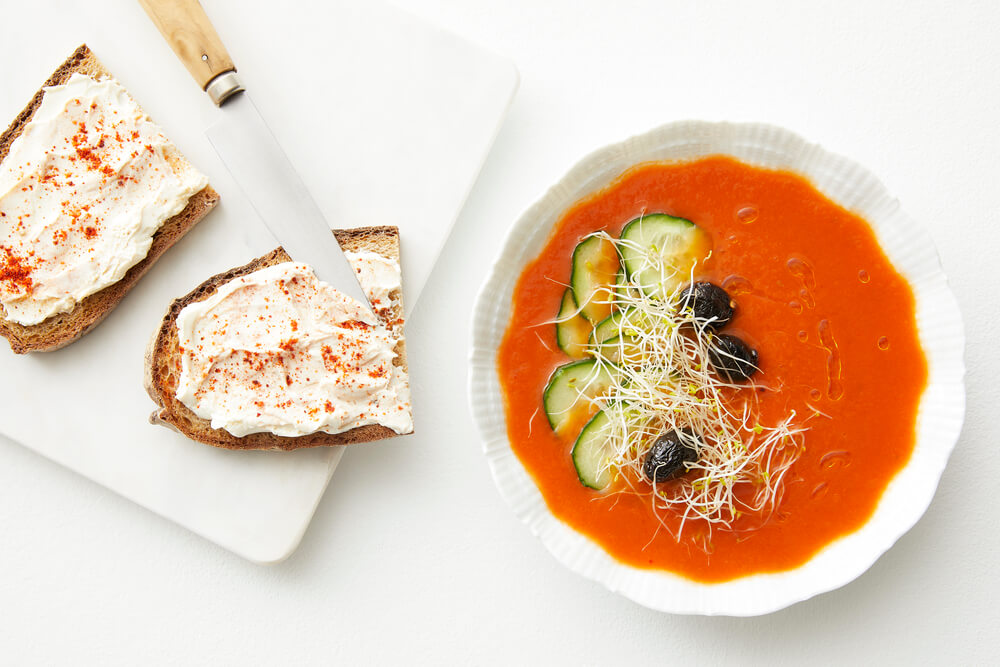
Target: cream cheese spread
x=83 y=190
x=378 y=275
x=279 y=351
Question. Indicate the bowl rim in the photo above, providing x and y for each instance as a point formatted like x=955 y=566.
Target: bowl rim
x=912 y=252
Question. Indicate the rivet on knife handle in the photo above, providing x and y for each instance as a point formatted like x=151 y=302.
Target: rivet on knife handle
x=185 y=26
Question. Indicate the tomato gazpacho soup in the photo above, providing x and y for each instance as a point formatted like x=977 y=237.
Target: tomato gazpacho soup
x=711 y=369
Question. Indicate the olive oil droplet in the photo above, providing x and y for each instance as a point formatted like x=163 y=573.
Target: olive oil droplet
x=737 y=285
x=820 y=490
x=803 y=336
x=835 y=387
x=863 y=276
x=803 y=270
x=815 y=394
x=883 y=343
x=747 y=214
x=836 y=459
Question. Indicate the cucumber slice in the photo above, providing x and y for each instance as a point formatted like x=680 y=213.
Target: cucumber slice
x=571 y=388
x=621 y=285
x=609 y=327
x=679 y=242
x=617 y=348
x=572 y=329
x=606 y=328
x=609 y=342
x=595 y=266
x=592 y=451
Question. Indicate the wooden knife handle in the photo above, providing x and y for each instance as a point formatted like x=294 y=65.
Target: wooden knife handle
x=185 y=26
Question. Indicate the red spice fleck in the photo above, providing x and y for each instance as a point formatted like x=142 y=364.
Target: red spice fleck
x=288 y=345
x=329 y=406
x=86 y=153
x=50 y=174
x=295 y=325
x=15 y=270
x=330 y=360
x=89 y=232
x=356 y=325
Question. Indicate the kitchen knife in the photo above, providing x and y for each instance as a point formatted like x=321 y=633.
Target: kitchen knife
x=248 y=148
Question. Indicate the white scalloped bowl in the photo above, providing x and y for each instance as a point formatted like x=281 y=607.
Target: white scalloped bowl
x=941 y=411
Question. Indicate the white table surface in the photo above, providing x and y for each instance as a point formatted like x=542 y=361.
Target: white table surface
x=412 y=554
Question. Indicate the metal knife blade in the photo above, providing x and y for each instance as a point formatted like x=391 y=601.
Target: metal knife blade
x=269 y=181
x=248 y=147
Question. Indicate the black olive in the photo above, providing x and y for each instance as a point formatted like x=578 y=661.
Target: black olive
x=708 y=301
x=666 y=458
x=731 y=358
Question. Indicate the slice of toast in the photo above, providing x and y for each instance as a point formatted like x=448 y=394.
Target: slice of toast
x=64 y=328
x=163 y=356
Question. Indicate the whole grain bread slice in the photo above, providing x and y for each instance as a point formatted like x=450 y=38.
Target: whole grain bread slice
x=64 y=328
x=163 y=356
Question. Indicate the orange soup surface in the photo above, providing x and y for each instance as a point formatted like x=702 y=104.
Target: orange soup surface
x=834 y=326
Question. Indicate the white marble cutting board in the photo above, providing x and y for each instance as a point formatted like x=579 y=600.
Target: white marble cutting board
x=388 y=121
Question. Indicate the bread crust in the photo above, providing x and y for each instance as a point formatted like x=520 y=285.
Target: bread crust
x=163 y=356
x=62 y=329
